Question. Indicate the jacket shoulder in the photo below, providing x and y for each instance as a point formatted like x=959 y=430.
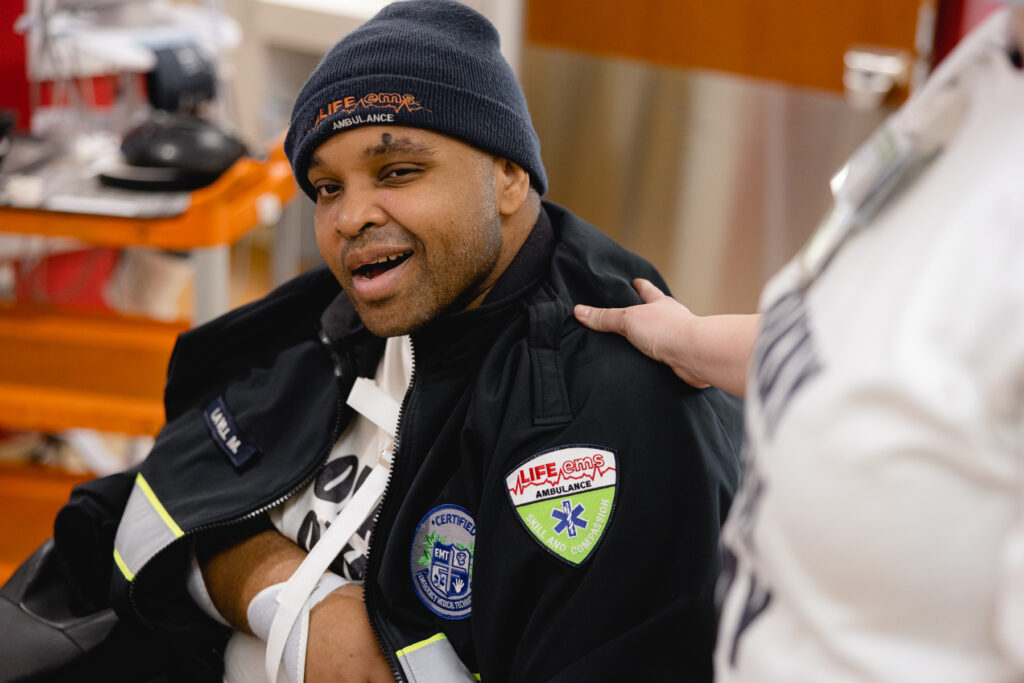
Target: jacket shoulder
x=220 y=348
x=589 y=267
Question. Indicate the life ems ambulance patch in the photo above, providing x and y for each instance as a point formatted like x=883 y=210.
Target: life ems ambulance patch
x=564 y=498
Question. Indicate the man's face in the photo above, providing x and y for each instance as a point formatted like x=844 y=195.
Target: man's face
x=408 y=222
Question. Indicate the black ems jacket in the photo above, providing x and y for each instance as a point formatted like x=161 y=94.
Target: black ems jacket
x=554 y=507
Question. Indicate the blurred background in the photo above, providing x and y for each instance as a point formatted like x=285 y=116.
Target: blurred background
x=143 y=190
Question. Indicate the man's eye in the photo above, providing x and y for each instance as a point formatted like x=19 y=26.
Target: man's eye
x=327 y=190
x=400 y=173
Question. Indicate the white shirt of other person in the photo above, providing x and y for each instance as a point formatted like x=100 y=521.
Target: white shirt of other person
x=879 y=533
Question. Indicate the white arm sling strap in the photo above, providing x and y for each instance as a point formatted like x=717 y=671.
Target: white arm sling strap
x=376 y=405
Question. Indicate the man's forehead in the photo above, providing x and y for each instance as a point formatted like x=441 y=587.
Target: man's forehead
x=400 y=142
x=372 y=142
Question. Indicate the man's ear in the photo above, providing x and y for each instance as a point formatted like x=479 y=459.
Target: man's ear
x=513 y=185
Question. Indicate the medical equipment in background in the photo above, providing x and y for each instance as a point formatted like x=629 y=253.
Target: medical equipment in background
x=123 y=94
x=153 y=49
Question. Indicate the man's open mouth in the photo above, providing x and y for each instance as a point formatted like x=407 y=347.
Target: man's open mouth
x=381 y=265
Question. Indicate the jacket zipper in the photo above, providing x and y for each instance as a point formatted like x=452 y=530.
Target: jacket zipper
x=335 y=432
x=372 y=567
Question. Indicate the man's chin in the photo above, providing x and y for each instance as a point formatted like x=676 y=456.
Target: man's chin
x=389 y=321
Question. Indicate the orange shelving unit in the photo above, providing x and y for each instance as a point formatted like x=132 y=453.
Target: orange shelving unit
x=218 y=214
x=63 y=369
x=30 y=496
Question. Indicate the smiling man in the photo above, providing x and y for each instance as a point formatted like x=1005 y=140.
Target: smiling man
x=411 y=222
x=554 y=498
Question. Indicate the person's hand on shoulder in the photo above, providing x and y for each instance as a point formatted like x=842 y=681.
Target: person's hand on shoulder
x=658 y=328
x=702 y=351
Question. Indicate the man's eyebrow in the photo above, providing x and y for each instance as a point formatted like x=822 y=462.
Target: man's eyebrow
x=390 y=145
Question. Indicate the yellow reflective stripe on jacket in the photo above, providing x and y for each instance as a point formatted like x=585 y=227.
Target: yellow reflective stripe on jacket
x=433 y=661
x=128 y=573
x=146 y=527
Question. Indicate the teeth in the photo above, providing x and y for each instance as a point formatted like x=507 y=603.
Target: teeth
x=367 y=270
x=393 y=257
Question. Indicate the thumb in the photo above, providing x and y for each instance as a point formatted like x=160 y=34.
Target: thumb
x=599 y=319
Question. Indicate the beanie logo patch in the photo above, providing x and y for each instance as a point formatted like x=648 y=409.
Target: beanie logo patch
x=392 y=101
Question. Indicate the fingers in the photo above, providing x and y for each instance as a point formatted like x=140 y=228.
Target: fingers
x=600 y=319
x=614 y=319
x=647 y=290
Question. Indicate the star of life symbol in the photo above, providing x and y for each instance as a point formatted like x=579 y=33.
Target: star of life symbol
x=569 y=518
x=449 y=570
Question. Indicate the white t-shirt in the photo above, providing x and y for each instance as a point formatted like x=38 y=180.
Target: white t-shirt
x=879 y=532
x=304 y=518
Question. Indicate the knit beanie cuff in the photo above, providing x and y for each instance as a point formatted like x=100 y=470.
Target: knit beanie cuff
x=431 y=64
x=396 y=100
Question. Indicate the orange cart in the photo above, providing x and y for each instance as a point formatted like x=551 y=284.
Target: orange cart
x=62 y=369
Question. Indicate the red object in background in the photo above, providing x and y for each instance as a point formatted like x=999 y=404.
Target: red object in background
x=98 y=91
x=74 y=278
x=14 y=93
x=955 y=20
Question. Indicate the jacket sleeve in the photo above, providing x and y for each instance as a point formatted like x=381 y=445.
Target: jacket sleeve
x=640 y=604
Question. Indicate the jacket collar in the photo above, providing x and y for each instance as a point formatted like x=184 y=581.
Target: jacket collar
x=529 y=265
x=457 y=336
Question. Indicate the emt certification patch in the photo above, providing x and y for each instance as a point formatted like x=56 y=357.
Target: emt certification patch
x=441 y=561
x=564 y=498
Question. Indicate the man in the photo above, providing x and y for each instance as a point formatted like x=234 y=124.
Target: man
x=553 y=505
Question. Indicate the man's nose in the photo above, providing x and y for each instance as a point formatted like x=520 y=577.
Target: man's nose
x=359 y=210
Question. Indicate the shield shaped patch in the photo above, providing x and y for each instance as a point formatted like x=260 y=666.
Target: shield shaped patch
x=564 y=498
x=441 y=561
x=449 y=570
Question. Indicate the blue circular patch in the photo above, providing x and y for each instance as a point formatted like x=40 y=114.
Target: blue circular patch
x=441 y=561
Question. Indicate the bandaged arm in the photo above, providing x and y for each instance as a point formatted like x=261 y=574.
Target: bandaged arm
x=340 y=643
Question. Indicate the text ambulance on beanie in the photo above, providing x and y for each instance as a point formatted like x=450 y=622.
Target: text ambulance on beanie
x=432 y=64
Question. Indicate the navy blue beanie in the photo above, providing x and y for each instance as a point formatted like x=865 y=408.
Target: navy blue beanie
x=432 y=64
